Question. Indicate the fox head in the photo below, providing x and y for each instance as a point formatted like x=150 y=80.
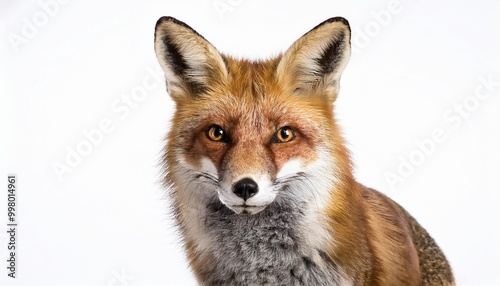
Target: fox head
x=252 y=134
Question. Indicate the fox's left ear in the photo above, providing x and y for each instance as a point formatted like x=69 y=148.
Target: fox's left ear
x=314 y=63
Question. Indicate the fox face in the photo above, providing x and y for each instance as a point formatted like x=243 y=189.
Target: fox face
x=253 y=133
x=249 y=153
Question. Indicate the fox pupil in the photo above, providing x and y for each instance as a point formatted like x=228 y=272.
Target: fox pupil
x=285 y=133
x=218 y=133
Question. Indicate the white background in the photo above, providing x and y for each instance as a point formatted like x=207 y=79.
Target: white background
x=66 y=67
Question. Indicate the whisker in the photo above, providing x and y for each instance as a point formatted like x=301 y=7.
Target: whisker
x=198 y=182
x=210 y=177
x=279 y=183
x=299 y=181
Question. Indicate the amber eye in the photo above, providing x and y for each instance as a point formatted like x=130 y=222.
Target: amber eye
x=284 y=134
x=216 y=133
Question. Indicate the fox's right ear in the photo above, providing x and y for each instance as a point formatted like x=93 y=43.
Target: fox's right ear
x=191 y=64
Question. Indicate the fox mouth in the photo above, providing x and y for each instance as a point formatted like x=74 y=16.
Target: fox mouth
x=247 y=209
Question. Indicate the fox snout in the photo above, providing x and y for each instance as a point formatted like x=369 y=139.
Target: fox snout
x=252 y=191
x=245 y=198
x=249 y=194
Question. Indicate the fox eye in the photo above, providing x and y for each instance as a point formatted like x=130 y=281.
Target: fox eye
x=216 y=133
x=284 y=134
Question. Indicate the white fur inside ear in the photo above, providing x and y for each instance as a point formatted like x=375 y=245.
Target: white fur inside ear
x=186 y=57
x=305 y=62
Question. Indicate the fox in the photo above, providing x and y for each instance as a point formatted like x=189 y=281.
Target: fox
x=260 y=181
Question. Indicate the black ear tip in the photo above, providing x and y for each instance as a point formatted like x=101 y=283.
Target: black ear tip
x=338 y=19
x=164 y=19
x=335 y=19
x=171 y=19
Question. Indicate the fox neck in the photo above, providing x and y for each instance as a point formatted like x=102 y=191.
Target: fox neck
x=266 y=247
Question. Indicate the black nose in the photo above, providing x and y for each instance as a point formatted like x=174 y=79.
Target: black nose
x=245 y=188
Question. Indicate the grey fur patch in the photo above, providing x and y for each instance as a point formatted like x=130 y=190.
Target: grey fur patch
x=263 y=249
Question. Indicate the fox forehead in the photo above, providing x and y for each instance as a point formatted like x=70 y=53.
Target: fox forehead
x=253 y=98
x=254 y=78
